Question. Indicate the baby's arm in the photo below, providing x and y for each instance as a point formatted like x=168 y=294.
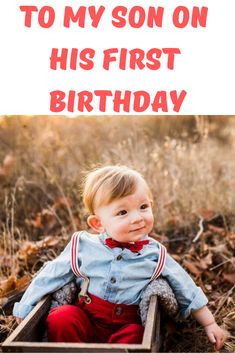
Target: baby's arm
x=51 y=277
x=192 y=300
x=214 y=332
x=189 y=296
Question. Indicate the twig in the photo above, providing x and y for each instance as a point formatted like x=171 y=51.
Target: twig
x=174 y=240
x=200 y=230
x=222 y=263
x=225 y=223
x=225 y=298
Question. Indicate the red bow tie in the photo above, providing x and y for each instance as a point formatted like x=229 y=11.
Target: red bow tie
x=134 y=247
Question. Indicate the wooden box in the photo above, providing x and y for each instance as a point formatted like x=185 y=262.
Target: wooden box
x=27 y=337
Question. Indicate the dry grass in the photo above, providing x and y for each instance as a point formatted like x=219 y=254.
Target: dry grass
x=189 y=165
x=187 y=161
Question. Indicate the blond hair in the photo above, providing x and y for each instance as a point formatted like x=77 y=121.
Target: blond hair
x=106 y=184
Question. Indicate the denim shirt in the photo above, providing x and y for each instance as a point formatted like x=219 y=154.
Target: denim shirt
x=116 y=275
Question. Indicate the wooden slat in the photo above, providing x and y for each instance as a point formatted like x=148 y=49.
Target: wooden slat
x=75 y=347
x=156 y=343
x=28 y=328
x=149 y=332
x=21 y=339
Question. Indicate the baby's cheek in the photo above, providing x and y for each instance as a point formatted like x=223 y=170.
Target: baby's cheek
x=116 y=228
x=150 y=221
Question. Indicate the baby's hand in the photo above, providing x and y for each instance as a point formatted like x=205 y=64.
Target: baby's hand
x=18 y=320
x=216 y=335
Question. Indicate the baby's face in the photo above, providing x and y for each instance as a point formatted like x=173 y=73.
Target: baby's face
x=129 y=218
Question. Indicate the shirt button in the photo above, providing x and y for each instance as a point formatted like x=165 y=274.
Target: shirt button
x=113 y=280
x=118 y=310
x=119 y=257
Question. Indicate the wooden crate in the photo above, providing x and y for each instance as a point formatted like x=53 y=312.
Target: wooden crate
x=27 y=337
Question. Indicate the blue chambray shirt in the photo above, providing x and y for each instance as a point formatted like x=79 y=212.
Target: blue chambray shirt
x=117 y=275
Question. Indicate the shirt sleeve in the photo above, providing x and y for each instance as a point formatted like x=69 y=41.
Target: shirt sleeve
x=52 y=276
x=189 y=296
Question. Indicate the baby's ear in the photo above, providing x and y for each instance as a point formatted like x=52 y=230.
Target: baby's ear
x=94 y=222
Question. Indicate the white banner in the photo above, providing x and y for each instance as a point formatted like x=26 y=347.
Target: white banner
x=112 y=57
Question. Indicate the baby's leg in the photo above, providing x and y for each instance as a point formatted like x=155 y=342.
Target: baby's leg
x=130 y=333
x=68 y=323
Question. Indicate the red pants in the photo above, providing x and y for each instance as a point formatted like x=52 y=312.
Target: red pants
x=100 y=321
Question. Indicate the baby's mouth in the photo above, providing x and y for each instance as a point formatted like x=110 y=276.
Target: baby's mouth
x=137 y=229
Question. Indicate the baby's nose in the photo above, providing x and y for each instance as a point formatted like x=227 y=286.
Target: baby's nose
x=136 y=218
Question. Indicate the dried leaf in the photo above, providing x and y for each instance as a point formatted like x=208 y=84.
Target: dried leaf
x=3 y=301
x=173 y=221
x=217 y=230
x=28 y=248
x=191 y=267
x=206 y=213
x=37 y=222
x=47 y=213
x=7 y=286
x=159 y=237
x=62 y=202
x=177 y=257
x=208 y=287
x=230 y=277
x=22 y=282
x=6 y=261
x=231 y=239
x=2 y=172
x=50 y=241
x=49 y=219
x=8 y=163
x=206 y=261
x=220 y=249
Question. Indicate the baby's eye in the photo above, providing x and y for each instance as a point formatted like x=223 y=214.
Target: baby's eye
x=144 y=206
x=122 y=213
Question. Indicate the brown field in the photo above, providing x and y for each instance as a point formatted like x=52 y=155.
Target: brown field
x=189 y=164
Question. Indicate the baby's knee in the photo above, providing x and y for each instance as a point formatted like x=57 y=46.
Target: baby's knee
x=62 y=316
x=136 y=329
x=69 y=323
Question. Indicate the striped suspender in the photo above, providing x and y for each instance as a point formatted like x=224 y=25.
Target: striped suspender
x=74 y=265
x=85 y=284
x=74 y=252
x=160 y=264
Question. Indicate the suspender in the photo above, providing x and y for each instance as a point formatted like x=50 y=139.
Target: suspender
x=75 y=268
x=160 y=263
x=74 y=265
x=74 y=252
